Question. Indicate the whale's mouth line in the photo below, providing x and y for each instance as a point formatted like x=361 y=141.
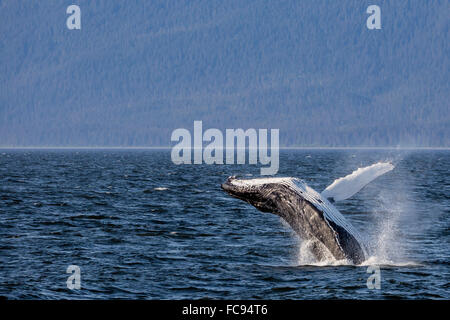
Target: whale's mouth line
x=232 y=190
x=248 y=194
x=229 y=188
x=235 y=192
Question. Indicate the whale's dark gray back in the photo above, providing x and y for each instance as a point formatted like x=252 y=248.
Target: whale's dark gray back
x=308 y=214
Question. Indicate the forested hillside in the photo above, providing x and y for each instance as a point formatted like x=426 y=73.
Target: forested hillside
x=137 y=70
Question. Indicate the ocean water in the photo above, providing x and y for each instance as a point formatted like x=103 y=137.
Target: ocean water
x=140 y=227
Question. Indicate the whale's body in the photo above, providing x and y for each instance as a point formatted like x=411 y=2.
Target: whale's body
x=309 y=214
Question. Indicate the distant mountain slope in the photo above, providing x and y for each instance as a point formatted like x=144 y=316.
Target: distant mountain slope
x=139 y=69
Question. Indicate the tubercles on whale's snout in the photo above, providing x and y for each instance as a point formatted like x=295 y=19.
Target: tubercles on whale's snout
x=227 y=185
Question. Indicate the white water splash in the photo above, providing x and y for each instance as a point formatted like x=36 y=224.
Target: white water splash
x=306 y=258
x=386 y=243
x=385 y=240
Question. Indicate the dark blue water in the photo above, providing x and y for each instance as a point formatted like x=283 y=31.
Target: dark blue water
x=139 y=226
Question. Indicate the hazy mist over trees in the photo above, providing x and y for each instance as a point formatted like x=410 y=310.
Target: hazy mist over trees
x=137 y=70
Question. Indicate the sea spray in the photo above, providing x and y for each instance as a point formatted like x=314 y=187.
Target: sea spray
x=386 y=242
x=306 y=258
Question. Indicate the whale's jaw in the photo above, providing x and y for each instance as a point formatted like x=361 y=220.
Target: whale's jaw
x=235 y=190
x=310 y=216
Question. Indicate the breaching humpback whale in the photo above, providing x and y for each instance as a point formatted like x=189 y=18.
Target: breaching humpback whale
x=310 y=214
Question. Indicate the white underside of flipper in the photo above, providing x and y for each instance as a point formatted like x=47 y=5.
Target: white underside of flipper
x=344 y=188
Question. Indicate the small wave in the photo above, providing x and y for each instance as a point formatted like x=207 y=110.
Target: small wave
x=373 y=260
x=368 y=262
x=306 y=258
x=160 y=189
x=327 y=263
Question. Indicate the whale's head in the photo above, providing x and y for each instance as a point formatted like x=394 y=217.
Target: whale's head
x=258 y=192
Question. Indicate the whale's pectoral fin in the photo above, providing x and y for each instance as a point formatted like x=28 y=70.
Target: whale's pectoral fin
x=344 y=188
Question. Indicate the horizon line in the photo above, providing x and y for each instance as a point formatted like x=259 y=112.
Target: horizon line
x=224 y=148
